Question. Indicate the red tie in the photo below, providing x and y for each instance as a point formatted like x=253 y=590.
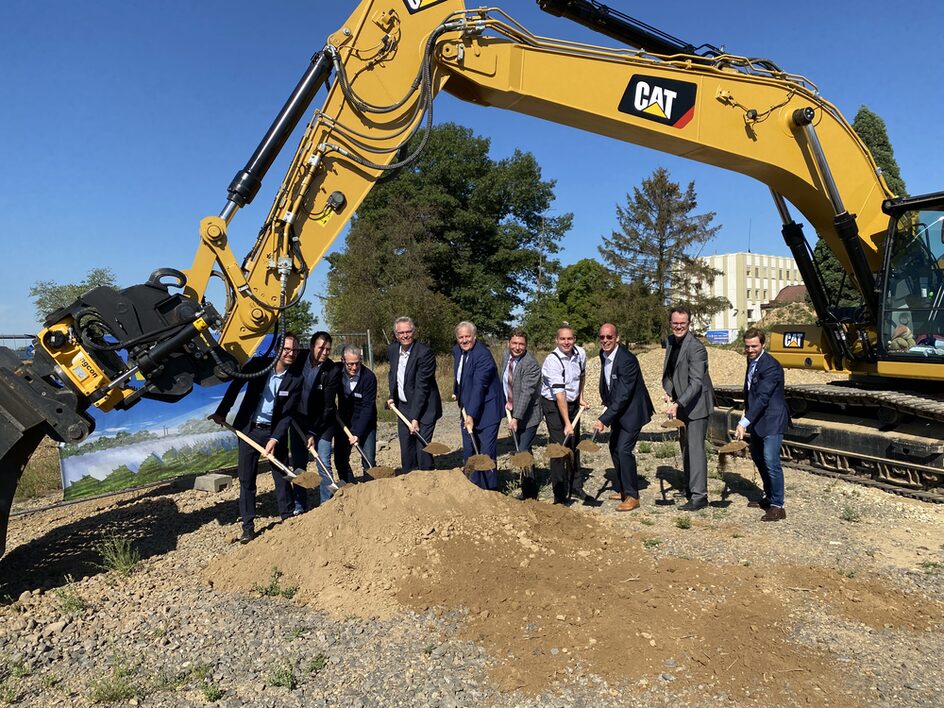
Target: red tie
x=511 y=375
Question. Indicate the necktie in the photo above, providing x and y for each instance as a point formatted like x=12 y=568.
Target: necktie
x=511 y=375
x=750 y=373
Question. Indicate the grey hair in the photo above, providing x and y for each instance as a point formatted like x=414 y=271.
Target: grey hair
x=351 y=349
x=401 y=320
x=465 y=324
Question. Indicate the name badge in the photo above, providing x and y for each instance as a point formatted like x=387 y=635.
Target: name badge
x=358 y=395
x=283 y=393
x=320 y=387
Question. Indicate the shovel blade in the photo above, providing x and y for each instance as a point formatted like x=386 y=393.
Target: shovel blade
x=381 y=472
x=587 y=446
x=307 y=480
x=436 y=448
x=733 y=446
x=522 y=459
x=556 y=451
x=672 y=424
x=481 y=463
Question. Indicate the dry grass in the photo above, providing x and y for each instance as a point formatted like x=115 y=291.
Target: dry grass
x=41 y=476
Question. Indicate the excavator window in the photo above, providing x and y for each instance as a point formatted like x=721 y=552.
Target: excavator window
x=913 y=325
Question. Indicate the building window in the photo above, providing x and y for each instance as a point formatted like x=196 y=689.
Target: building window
x=780 y=276
x=748 y=294
x=765 y=295
x=756 y=272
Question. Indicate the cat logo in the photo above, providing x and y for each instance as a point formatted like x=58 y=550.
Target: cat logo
x=793 y=340
x=661 y=100
x=415 y=6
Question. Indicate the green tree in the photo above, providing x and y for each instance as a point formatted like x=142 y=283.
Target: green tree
x=636 y=312
x=659 y=242
x=871 y=129
x=455 y=235
x=48 y=296
x=579 y=297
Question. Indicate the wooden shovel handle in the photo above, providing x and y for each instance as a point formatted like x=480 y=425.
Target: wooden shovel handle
x=258 y=448
x=407 y=424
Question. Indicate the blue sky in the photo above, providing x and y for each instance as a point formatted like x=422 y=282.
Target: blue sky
x=122 y=123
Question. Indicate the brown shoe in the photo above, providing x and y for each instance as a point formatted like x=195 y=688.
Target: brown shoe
x=628 y=505
x=759 y=503
x=615 y=496
x=774 y=513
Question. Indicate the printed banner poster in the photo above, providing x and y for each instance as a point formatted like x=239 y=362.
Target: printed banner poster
x=150 y=442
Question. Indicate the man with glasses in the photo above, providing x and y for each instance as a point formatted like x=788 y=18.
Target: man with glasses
x=414 y=391
x=628 y=409
x=264 y=415
x=690 y=398
x=562 y=380
x=357 y=410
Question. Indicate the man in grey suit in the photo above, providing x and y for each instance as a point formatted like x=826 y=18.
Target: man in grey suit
x=689 y=393
x=521 y=378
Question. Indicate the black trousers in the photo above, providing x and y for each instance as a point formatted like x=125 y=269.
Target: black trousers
x=622 y=445
x=412 y=456
x=248 y=469
x=565 y=476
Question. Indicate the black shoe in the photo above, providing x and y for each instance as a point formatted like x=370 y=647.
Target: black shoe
x=248 y=535
x=694 y=506
x=590 y=501
x=760 y=504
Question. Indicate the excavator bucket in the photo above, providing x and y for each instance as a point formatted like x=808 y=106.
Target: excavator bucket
x=33 y=404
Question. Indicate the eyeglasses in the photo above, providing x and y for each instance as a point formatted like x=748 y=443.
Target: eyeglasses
x=289 y=349
x=679 y=324
x=403 y=334
x=607 y=336
x=352 y=363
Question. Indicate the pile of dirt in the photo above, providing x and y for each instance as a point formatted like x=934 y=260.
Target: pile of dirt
x=550 y=591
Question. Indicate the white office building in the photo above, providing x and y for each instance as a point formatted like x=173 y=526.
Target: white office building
x=747 y=280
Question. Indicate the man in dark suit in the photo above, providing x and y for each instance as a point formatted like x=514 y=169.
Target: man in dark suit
x=690 y=398
x=317 y=412
x=414 y=391
x=521 y=380
x=357 y=410
x=481 y=400
x=264 y=415
x=767 y=416
x=628 y=409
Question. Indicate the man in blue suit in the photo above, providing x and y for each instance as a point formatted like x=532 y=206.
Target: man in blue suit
x=767 y=416
x=628 y=409
x=264 y=415
x=414 y=391
x=357 y=411
x=481 y=400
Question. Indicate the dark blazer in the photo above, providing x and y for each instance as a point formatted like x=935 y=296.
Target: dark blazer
x=626 y=399
x=423 y=402
x=765 y=404
x=525 y=388
x=480 y=391
x=358 y=408
x=693 y=390
x=286 y=400
x=320 y=421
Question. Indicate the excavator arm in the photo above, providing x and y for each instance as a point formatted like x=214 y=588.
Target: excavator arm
x=387 y=64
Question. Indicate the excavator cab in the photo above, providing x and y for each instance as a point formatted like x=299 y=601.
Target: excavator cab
x=912 y=317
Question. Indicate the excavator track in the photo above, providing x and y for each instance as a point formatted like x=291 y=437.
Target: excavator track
x=890 y=440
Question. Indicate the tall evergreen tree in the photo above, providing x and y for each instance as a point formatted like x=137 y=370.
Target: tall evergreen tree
x=659 y=242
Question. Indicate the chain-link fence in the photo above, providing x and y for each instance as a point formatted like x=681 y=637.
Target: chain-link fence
x=355 y=339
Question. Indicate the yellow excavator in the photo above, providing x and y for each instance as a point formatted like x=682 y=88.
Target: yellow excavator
x=383 y=69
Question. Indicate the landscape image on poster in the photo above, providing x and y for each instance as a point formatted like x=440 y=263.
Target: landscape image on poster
x=152 y=441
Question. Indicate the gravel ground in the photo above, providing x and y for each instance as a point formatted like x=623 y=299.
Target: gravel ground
x=855 y=572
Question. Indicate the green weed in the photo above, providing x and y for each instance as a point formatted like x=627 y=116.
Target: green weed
x=274 y=588
x=850 y=514
x=318 y=663
x=651 y=542
x=70 y=602
x=683 y=522
x=283 y=677
x=119 y=555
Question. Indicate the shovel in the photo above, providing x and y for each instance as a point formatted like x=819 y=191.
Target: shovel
x=374 y=471
x=312 y=480
x=589 y=445
x=432 y=448
x=519 y=459
x=558 y=450
x=477 y=462
x=286 y=472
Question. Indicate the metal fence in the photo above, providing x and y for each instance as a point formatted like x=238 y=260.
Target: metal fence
x=355 y=339
x=22 y=344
